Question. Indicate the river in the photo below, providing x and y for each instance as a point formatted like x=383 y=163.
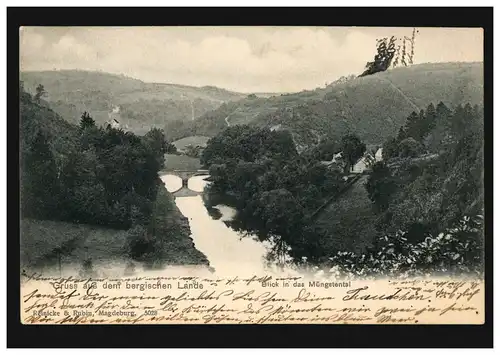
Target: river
x=228 y=252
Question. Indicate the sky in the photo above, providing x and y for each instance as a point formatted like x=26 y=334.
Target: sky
x=243 y=59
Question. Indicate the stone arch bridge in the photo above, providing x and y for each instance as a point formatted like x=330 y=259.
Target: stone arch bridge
x=185 y=175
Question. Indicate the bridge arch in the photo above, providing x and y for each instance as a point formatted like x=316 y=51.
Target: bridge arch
x=185 y=175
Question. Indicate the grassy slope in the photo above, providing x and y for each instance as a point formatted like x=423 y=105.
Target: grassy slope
x=59 y=131
x=193 y=140
x=243 y=111
x=181 y=162
x=70 y=92
x=374 y=107
x=40 y=239
x=349 y=220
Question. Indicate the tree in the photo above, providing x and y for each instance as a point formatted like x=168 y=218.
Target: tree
x=280 y=213
x=193 y=151
x=419 y=125
x=155 y=140
x=86 y=121
x=380 y=186
x=438 y=128
x=403 y=53
x=138 y=243
x=40 y=92
x=105 y=177
x=461 y=121
x=324 y=150
x=412 y=48
x=433 y=192
x=24 y=97
x=39 y=187
x=156 y=137
x=409 y=147
x=442 y=111
x=397 y=57
x=430 y=119
x=412 y=126
x=382 y=61
x=402 y=134
x=248 y=143
x=171 y=148
x=391 y=148
x=218 y=175
x=352 y=150
x=277 y=144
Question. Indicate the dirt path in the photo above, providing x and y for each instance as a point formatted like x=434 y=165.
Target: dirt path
x=417 y=109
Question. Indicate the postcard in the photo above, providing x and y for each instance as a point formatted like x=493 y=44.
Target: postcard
x=251 y=175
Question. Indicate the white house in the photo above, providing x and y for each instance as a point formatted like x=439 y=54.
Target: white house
x=364 y=163
x=361 y=165
x=367 y=161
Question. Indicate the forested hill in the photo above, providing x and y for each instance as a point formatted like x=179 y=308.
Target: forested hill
x=137 y=104
x=419 y=209
x=85 y=173
x=89 y=184
x=373 y=107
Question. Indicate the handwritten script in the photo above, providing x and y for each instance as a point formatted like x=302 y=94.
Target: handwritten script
x=250 y=300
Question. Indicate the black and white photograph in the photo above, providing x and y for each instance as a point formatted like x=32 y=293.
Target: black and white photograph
x=251 y=177
x=344 y=151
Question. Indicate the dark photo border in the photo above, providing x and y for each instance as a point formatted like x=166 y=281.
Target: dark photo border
x=252 y=336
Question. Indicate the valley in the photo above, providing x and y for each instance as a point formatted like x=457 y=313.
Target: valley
x=374 y=107
x=140 y=105
x=272 y=165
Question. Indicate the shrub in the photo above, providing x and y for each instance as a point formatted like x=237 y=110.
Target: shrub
x=409 y=147
x=138 y=243
x=455 y=251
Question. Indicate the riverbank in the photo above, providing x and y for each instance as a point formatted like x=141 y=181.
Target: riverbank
x=172 y=234
x=46 y=243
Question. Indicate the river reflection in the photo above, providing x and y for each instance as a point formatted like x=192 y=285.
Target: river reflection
x=172 y=182
x=227 y=251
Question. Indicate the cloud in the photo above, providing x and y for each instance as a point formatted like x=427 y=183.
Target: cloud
x=30 y=44
x=242 y=59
